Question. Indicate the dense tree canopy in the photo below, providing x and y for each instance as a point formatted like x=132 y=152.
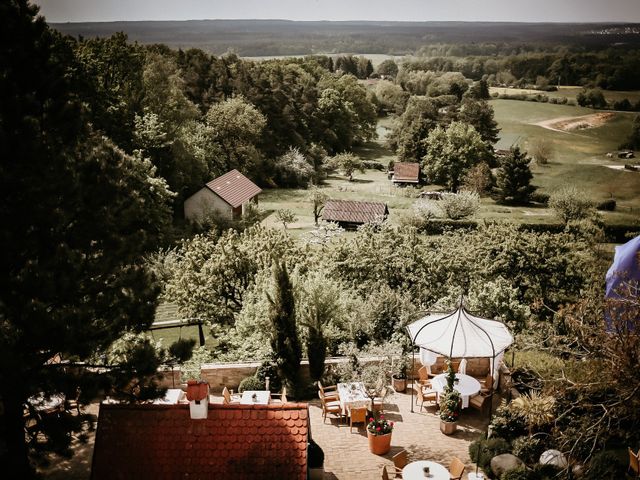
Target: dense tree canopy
x=78 y=214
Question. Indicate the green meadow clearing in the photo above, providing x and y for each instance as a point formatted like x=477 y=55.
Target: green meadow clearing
x=579 y=158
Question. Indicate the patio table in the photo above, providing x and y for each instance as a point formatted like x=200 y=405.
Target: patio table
x=467 y=386
x=353 y=395
x=51 y=404
x=415 y=471
x=255 y=397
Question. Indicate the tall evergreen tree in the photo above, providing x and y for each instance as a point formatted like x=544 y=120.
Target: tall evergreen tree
x=514 y=178
x=77 y=215
x=284 y=335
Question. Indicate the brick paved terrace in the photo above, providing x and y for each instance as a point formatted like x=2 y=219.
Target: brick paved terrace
x=347 y=454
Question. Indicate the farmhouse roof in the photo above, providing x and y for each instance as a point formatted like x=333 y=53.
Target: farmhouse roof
x=235 y=441
x=234 y=188
x=352 y=211
x=406 y=172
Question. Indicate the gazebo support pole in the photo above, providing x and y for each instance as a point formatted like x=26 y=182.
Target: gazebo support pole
x=413 y=369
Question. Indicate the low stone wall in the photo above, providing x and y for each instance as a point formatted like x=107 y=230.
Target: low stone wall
x=220 y=375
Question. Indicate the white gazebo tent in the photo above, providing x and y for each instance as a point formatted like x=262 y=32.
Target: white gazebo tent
x=460 y=334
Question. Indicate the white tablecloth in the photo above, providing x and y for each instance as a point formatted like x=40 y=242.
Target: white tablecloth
x=46 y=405
x=172 y=397
x=467 y=386
x=262 y=397
x=414 y=471
x=353 y=395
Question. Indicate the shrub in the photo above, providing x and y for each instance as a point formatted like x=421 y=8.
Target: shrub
x=373 y=165
x=456 y=206
x=570 y=203
x=487 y=450
x=603 y=466
x=293 y=169
x=507 y=424
x=251 y=383
x=269 y=369
x=607 y=205
x=182 y=349
x=538 y=472
x=528 y=449
x=519 y=473
x=539 y=197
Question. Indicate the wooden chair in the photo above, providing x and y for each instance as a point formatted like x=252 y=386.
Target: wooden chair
x=330 y=392
x=330 y=406
x=455 y=365
x=32 y=423
x=227 y=399
x=378 y=402
x=634 y=464
x=400 y=459
x=479 y=402
x=357 y=415
x=74 y=403
x=456 y=469
x=486 y=385
x=279 y=397
x=424 y=374
x=385 y=474
x=423 y=394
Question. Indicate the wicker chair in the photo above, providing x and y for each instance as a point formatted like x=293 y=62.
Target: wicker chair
x=479 y=402
x=456 y=469
x=423 y=394
x=385 y=474
x=486 y=385
x=228 y=399
x=424 y=374
x=400 y=459
x=73 y=403
x=279 y=397
x=329 y=406
x=330 y=392
x=634 y=464
x=357 y=415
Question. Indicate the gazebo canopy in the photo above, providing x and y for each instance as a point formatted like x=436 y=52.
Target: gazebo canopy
x=460 y=334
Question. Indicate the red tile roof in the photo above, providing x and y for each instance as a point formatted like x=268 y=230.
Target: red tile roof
x=234 y=188
x=406 y=172
x=350 y=211
x=197 y=390
x=235 y=441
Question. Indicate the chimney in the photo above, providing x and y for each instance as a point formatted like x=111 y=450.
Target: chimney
x=198 y=396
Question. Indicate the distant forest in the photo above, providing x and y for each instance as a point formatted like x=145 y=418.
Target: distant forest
x=282 y=37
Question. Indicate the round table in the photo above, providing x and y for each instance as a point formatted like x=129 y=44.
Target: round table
x=414 y=471
x=467 y=386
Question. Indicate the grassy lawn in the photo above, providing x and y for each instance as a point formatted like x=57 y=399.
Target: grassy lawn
x=569 y=93
x=579 y=156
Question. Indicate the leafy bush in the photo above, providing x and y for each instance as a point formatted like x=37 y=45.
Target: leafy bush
x=540 y=197
x=182 y=349
x=507 y=424
x=251 y=383
x=293 y=169
x=604 y=466
x=373 y=165
x=607 y=205
x=456 y=206
x=528 y=449
x=570 y=203
x=487 y=450
x=537 y=472
x=269 y=369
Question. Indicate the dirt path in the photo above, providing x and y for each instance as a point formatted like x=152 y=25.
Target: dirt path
x=582 y=122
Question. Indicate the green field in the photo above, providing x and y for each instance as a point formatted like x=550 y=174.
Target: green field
x=568 y=92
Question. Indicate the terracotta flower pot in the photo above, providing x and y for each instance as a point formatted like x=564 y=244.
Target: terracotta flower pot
x=379 y=444
x=448 y=428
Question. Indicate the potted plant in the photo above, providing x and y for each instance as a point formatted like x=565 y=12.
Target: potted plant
x=450 y=404
x=399 y=376
x=379 y=434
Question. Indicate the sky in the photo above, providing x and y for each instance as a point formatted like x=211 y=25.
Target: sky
x=401 y=10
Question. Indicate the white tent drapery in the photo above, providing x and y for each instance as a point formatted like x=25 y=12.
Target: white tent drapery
x=460 y=334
